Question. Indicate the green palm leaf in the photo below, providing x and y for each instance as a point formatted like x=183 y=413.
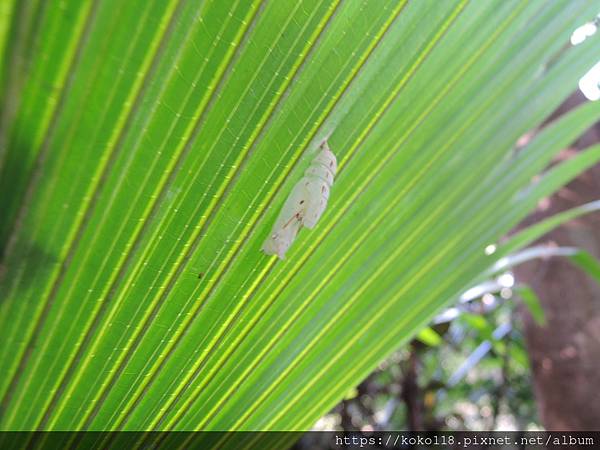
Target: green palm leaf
x=148 y=147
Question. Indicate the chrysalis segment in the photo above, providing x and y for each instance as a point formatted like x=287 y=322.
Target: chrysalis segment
x=305 y=204
x=318 y=179
x=288 y=223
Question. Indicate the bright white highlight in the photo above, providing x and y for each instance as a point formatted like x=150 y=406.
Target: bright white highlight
x=583 y=32
x=589 y=84
x=506 y=280
x=490 y=249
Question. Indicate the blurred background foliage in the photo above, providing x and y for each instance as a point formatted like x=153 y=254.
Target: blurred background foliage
x=474 y=375
x=146 y=148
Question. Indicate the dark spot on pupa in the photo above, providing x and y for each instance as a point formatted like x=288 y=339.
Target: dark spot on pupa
x=301 y=202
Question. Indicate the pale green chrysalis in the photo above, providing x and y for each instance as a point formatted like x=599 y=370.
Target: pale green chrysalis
x=305 y=204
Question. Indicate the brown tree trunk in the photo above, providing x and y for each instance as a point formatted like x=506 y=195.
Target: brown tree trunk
x=565 y=354
x=411 y=393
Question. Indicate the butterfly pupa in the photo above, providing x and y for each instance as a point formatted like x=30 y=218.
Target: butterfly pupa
x=305 y=204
